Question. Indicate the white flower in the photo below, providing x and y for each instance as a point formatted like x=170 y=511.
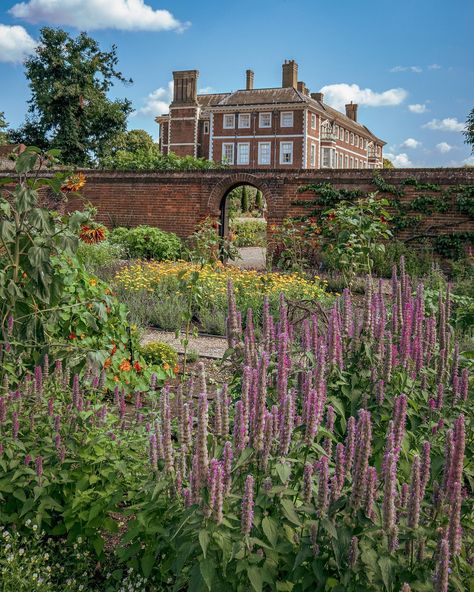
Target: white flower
x=35 y=527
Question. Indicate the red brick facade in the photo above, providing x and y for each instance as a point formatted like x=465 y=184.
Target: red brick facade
x=178 y=201
x=270 y=128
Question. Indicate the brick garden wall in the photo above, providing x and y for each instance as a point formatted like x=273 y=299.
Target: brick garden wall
x=178 y=201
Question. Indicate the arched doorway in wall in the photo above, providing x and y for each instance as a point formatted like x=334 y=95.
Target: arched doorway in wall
x=242 y=202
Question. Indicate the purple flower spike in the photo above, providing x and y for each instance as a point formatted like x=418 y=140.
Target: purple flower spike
x=442 y=568
x=247 y=506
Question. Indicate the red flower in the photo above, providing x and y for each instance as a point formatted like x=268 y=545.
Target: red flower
x=383 y=219
x=332 y=216
x=137 y=366
x=72 y=336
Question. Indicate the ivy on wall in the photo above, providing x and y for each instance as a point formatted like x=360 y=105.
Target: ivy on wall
x=406 y=214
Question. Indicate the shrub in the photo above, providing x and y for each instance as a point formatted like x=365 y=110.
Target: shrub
x=100 y=255
x=157 y=352
x=249 y=233
x=147 y=242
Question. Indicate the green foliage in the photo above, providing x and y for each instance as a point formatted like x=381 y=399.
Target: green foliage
x=453 y=245
x=465 y=199
x=244 y=199
x=383 y=186
x=292 y=245
x=4 y=137
x=158 y=352
x=429 y=204
x=207 y=247
x=138 y=154
x=31 y=562
x=32 y=237
x=418 y=261
x=251 y=232
x=99 y=255
x=147 y=242
x=387 y=164
x=259 y=200
x=69 y=109
x=354 y=233
x=469 y=130
x=329 y=196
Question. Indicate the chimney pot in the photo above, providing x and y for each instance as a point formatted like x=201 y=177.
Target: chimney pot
x=249 y=80
x=290 y=74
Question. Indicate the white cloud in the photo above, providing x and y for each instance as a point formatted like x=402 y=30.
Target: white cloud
x=130 y=15
x=416 y=69
x=448 y=124
x=338 y=95
x=469 y=161
x=411 y=143
x=15 y=44
x=205 y=90
x=157 y=102
x=417 y=108
x=434 y=67
x=399 y=160
x=444 y=147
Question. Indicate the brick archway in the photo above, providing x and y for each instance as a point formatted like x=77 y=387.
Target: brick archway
x=223 y=187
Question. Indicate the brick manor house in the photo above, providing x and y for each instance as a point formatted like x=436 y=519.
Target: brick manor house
x=275 y=128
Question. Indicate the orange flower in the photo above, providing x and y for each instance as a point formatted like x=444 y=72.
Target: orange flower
x=137 y=366
x=74 y=183
x=92 y=234
x=176 y=369
x=125 y=366
x=166 y=366
x=107 y=362
x=116 y=378
x=114 y=349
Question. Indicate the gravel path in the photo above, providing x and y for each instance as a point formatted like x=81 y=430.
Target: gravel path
x=212 y=347
x=251 y=258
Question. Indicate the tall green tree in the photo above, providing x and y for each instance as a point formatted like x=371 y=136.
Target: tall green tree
x=3 y=129
x=69 y=108
x=244 y=199
x=469 y=130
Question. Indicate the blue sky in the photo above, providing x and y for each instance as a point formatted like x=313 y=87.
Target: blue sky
x=409 y=64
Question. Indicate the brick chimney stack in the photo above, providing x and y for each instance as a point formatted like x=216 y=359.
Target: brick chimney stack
x=290 y=74
x=318 y=97
x=302 y=88
x=185 y=87
x=249 y=80
x=351 y=111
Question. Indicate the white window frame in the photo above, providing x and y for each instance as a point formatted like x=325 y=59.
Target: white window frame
x=286 y=114
x=261 y=118
x=260 y=146
x=313 y=121
x=341 y=134
x=312 y=154
x=243 y=117
x=282 y=152
x=228 y=117
x=325 y=157
x=347 y=137
x=346 y=160
x=206 y=127
x=341 y=161
x=225 y=160
x=352 y=162
x=240 y=145
x=352 y=139
x=357 y=141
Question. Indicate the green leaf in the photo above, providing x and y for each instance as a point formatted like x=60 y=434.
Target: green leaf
x=283 y=470
x=385 y=565
x=270 y=529
x=204 y=541
x=290 y=512
x=255 y=576
x=208 y=571
x=147 y=562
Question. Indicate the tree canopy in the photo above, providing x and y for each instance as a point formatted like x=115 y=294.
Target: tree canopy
x=4 y=139
x=136 y=150
x=469 y=130
x=69 y=108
